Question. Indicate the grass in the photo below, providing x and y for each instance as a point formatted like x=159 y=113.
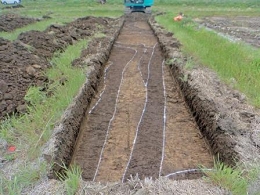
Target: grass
x=232 y=61
x=238 y=180
x=33 y=129
x=25 y=176
x=71 y=177
x=229 y=178
x=55 y=10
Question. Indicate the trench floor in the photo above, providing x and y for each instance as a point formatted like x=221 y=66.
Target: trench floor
x=138 y=123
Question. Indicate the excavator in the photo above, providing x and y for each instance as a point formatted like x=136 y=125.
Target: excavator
x=138 y=6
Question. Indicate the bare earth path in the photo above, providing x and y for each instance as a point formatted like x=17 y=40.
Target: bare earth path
x=138 y=123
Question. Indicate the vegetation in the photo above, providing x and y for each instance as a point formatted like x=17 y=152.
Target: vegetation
x=232 y=61
x=71 y=178
x=35 y=128
x=236 y=63
x=229 y=178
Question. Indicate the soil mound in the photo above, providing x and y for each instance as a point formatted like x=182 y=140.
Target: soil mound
x=10 y=22
x=24 y=60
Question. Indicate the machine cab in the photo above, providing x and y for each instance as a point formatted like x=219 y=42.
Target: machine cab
x=138 y=5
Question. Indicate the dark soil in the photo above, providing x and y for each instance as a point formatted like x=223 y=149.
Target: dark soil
x=132 y=78
x=224 y=116
x=240 y=28
x=10 y=22
x=123 y=131
x=24 y=60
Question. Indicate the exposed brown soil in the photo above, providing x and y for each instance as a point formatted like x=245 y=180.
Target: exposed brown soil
x=132 y=78
x=10 y=22
x=239 y=28
x=230 y=124
x=24 y=60
x=124 y=132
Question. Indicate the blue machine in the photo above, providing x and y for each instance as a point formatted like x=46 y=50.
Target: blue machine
x=138 y=6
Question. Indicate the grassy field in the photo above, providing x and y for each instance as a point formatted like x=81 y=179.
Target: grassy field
x=193 y=41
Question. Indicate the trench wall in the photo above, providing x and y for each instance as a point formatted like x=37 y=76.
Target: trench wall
x=203 y=109
x=58 y=151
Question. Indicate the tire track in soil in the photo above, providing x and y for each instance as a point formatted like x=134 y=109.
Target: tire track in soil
x=138 y=123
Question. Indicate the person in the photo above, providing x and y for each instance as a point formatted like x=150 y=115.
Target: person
x=179 y=17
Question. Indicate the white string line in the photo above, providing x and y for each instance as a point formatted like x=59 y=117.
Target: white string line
x=118 y=42
x=138 y=33
x=164 y=120
x=144 y=51
x=100 y=95
x=188 y=171
x=149 y=63
x=115 y=109
x=137 y=128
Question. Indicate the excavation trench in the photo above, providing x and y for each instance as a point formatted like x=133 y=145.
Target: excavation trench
x=138 y=122
x=139 y=114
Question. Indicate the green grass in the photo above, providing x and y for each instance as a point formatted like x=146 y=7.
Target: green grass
x=35 y=127
x=60 y=12
x=238 y=180
x=30 y=131
x=26 y=176
x=229 y=178
x=229 y=60
x=232 y=61
x=71 y=177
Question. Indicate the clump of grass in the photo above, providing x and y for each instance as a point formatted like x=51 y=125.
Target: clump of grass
x=71 y=177
x=233 y=179
x=34 y=96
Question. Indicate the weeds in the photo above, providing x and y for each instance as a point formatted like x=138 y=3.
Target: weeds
x=230 y=178
x=71 y=178
x=189 y=64
x=25 y=177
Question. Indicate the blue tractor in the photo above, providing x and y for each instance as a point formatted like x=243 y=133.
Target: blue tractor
x=138 y=6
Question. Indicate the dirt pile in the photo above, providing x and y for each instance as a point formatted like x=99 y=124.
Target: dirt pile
x=10 y=22
x=24 y=60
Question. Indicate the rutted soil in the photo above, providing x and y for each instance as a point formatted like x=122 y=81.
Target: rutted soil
x=240 y=28
x=138 y=123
